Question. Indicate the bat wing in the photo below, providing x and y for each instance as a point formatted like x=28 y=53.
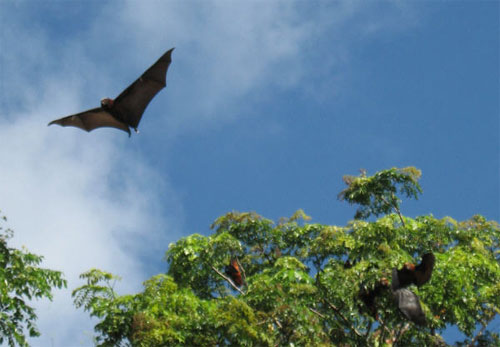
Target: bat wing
x=131 y=103
x=233 y=271
x=423 y=271
x=368 y=298
x=409 y=305
x=403 y=277
x=92 y=119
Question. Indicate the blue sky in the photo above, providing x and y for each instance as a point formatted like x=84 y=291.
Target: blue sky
x=267 y=106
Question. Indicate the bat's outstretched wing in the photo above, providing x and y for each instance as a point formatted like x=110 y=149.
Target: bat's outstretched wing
x=132 y=102
x=92 y=119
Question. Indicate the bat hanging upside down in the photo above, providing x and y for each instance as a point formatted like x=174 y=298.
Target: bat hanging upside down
x=233 y=271
x=126 y=110
x=406 y=300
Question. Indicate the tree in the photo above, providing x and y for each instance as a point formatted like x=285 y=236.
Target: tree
x=308 y=284
x=21 y=280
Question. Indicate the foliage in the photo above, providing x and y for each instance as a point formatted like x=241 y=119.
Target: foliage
x=21 y=280
x=376 y=195
x=302 y=281
x=164 y=315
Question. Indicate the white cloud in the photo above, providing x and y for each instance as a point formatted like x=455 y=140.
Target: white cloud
x=93 y=200
x=80 y=200
x=68 y=198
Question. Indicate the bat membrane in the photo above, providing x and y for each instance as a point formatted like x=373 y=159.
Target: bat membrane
x=126 y=110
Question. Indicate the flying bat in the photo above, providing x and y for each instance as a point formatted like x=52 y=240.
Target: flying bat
x=125 y=111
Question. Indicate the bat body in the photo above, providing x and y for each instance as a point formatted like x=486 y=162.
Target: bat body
x=418 y=275
x=407 y=301
x=233 y=271
x=369 y=296
x=126 y=110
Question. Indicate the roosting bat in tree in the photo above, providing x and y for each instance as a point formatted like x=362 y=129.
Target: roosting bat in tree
x=126 y=110
x=407 y=301
x=369 y=296
x=418 y=275
x=233 y=271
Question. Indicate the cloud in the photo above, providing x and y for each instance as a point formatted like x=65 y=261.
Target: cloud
x=81 y=205
x=97 y=200
x=80 y=200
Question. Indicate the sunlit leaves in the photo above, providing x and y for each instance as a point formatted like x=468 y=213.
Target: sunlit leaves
x=21 y=280
x=303 y=281
x=376 y=194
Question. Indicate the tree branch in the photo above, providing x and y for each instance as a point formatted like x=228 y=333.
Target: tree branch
x=400 y=333
x=473 y=341
x=395 y=208
x=337 y=311
x=227 y=279
x=382 y=333
x=368 y=329
x=316 y=312
x=384 y=329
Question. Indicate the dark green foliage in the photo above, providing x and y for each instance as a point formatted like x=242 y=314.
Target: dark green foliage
x=21 y=280
x=303 y=281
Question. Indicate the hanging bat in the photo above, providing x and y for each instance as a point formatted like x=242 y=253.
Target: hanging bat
x=233 y=271
x=418 y=275
x=126 y=110
x=407 y=301
x=369 y=296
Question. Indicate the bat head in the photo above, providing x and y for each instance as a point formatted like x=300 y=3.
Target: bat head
x=384 y=282
x=106 y=103
x=409 y=266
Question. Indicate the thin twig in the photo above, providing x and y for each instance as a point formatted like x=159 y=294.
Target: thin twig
x=383 y=328
x=337 y=311
x=227 y=279
x=477 y=336
x=368 y=329
x=274 y=319
x=395 y=209
x=400 y=333
x=382 y=333
x=316 y=312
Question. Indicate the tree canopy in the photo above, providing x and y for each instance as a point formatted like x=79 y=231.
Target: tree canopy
x=21 y=280
x=309 y=284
